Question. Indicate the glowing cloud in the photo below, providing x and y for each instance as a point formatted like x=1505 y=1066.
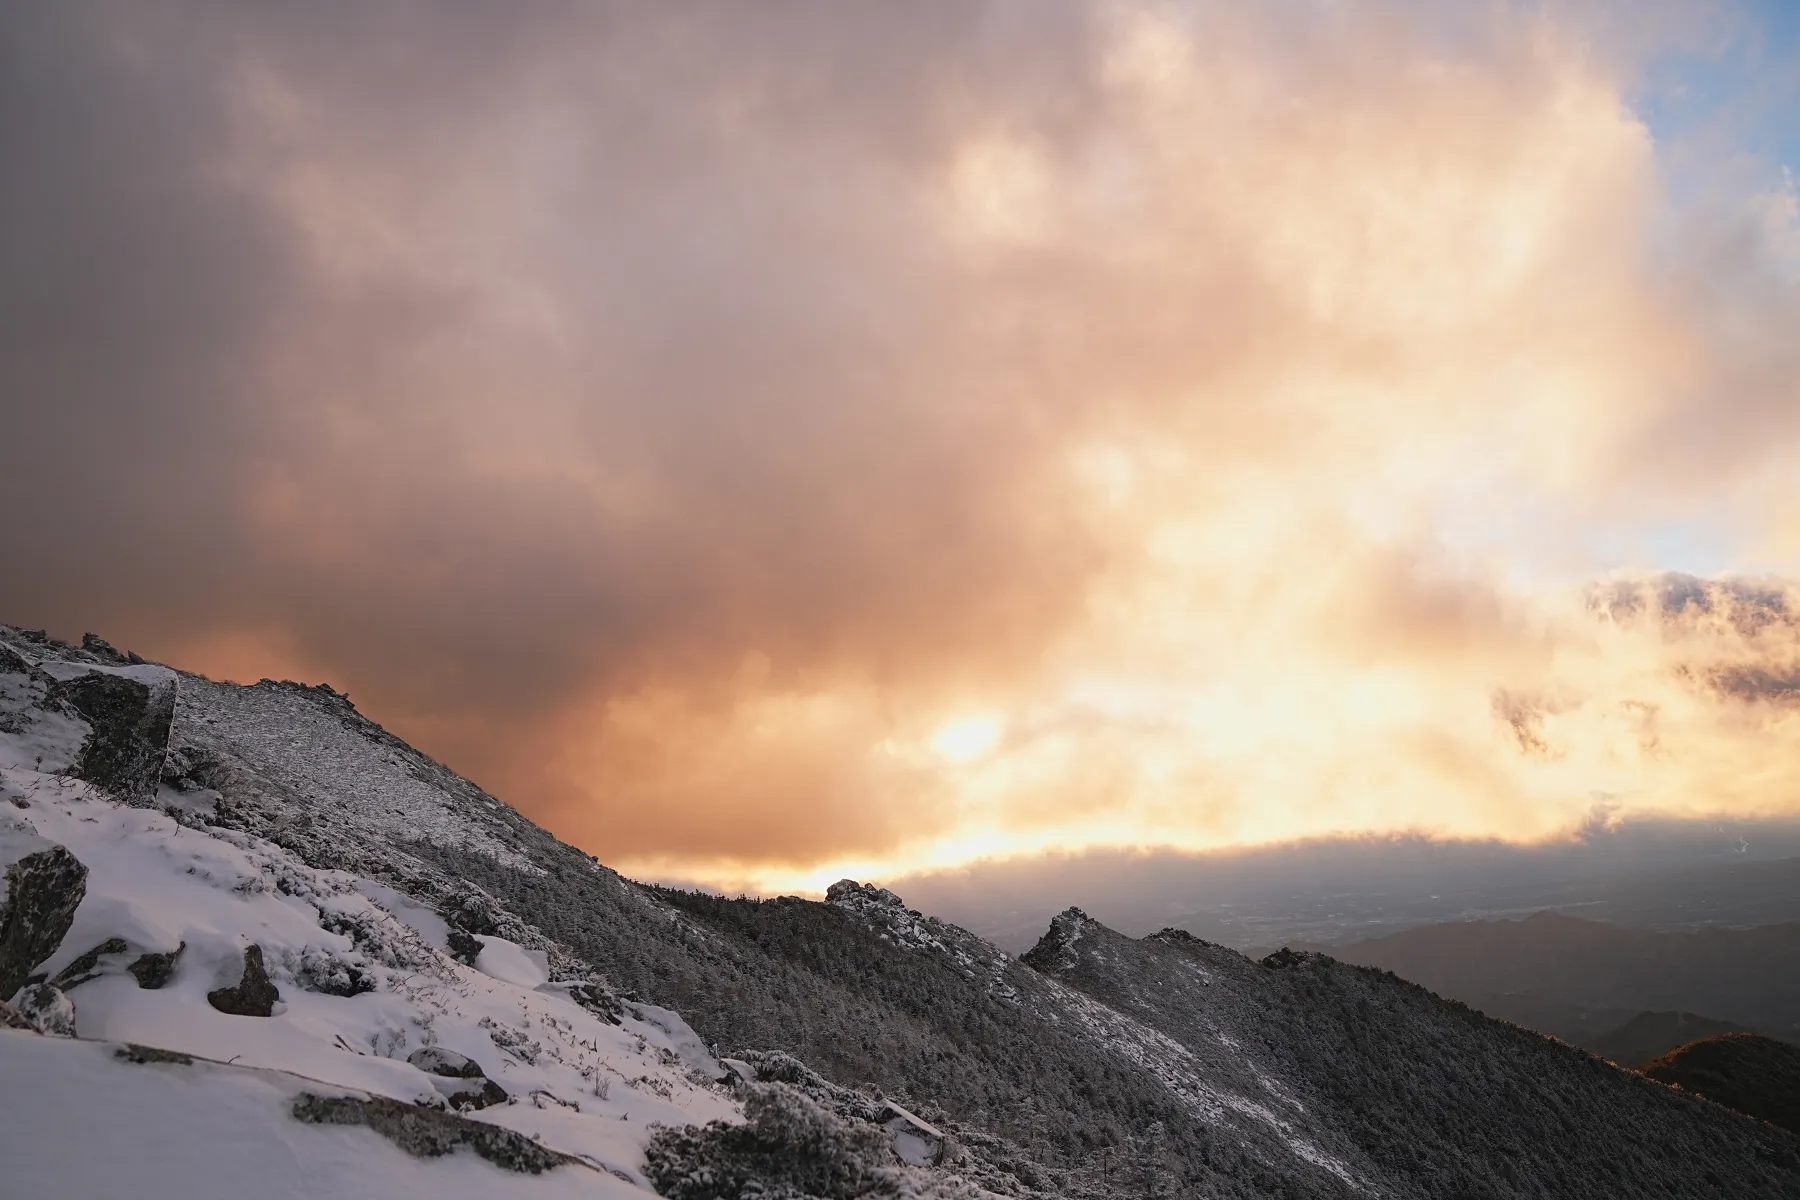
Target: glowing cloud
x=769 y=447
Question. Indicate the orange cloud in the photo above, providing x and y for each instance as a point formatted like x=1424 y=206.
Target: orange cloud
x=767 y=451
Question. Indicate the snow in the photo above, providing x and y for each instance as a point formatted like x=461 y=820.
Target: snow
x=582 y=1085
x=313 y=744
x=513 y=963
x=146 y=673
x=77 y=1120
x=32 y=736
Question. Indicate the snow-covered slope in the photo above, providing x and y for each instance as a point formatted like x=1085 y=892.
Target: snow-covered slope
x=370 y=1000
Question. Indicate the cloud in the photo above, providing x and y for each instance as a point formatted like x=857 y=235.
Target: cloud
x=678 y=419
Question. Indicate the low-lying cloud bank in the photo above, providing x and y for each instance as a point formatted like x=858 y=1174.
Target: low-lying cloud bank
x=766 y=445
x=1330 y=891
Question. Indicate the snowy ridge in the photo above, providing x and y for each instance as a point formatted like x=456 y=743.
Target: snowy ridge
x=365 y=984
x=310 y=743
x=886 y=914
x=1204 y=1087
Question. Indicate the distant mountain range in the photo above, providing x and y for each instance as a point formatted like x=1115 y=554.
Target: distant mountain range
x=1627 y=993
x=840 y=1049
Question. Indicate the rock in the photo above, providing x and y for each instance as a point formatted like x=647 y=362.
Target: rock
x=254 y=995
x=129 y=732
x=465 y=948
x=10 y=1018
x=426 y=1133
x=87 y=966
x=458 y=1078
x=133 y=1053
x=154 y=970
x=43 y=889
x=917 y=1142
x=101 y=649
x=47 y=1009
x=435 y=1060
x=469 y=1095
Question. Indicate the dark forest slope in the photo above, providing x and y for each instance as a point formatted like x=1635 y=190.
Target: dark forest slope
x=1754 y=1075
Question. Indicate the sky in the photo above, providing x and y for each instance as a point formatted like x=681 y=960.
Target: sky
x=772 y=443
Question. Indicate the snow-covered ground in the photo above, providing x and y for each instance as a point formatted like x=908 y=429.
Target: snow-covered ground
x=365 y=981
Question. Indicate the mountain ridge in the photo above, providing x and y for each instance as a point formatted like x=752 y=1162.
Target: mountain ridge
x=1093 y=1059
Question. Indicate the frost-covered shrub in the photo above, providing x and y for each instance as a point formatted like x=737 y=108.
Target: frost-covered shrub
x=788 y=1149
x=319 y=970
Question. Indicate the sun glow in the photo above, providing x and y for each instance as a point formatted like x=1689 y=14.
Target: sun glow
x=966 y=739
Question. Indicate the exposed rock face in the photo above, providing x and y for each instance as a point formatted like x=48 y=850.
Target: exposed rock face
x=154 y=970
x=1055 y=951
x=130 y=732
x=43 y=889
x=47 y=1009
x=254 y=995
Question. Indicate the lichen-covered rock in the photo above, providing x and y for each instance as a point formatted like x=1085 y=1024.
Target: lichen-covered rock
x=47 y=1009
x=427 y=1133
x=153 y=970
x=254 y=995
x=43 y=887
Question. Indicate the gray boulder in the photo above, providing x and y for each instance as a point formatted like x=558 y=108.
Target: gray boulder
x=44 y=885
x=129 y=723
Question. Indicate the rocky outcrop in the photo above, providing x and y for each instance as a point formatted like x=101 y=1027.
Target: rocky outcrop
x=129 y=736
x=254 y=995
x=43 y=889
x=1055 y=951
